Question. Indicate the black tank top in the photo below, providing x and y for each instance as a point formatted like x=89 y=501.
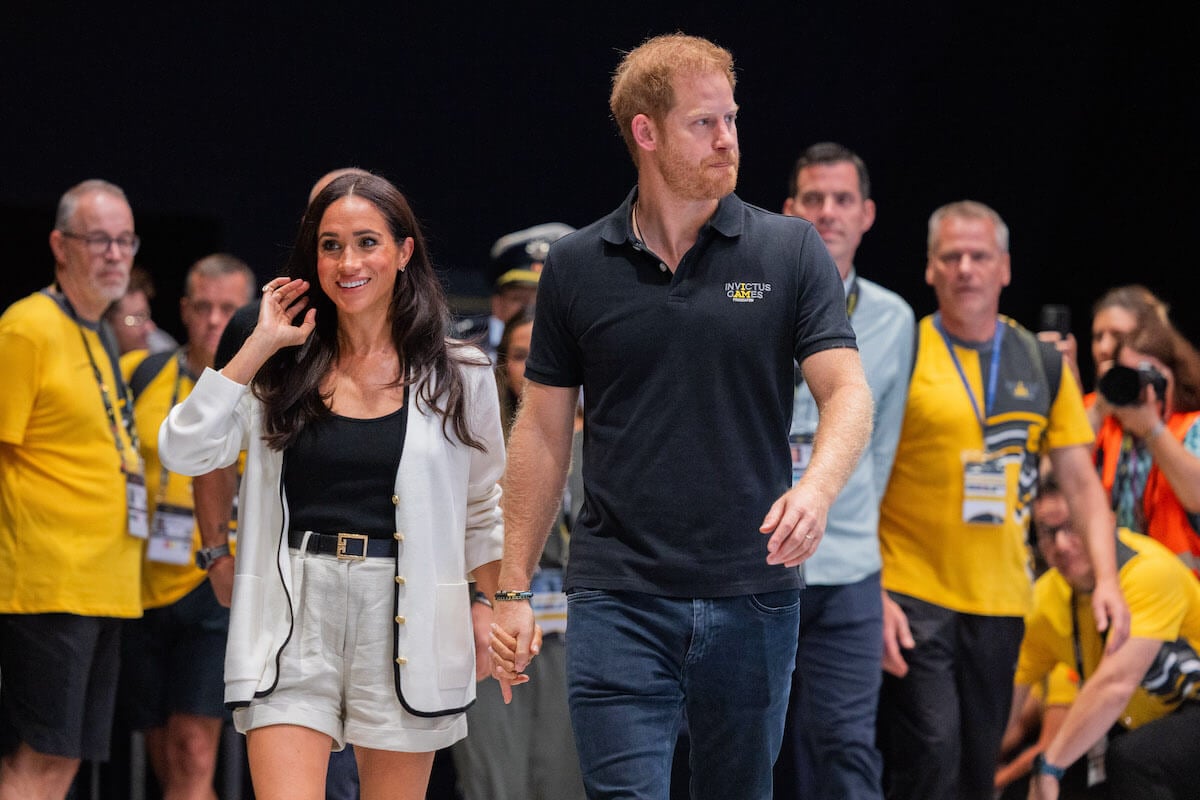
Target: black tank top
x=340 y=474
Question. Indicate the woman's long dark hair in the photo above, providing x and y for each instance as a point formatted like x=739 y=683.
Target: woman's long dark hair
x=289 y=383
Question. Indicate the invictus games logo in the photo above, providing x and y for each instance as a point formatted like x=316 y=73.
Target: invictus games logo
x=746 y=292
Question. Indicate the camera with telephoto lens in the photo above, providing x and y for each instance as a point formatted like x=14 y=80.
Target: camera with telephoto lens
x=1122 y=386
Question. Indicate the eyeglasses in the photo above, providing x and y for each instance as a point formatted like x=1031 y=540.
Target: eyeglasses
x=98 y=243
x=1050 y=533
x=134 y=320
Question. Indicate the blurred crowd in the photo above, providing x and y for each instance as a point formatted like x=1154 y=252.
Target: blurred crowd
x=745 y=528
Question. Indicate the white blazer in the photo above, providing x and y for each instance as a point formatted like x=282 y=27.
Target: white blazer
x=447 y=513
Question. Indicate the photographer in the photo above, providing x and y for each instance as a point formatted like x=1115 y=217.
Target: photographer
x=1119 y=312
x=1148 y=445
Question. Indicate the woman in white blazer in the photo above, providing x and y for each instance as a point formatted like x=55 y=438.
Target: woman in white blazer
x=370 y=496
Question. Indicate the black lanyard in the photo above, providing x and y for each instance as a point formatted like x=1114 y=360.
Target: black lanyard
x=181 y=366
x=1076 y=641
x=115 y=421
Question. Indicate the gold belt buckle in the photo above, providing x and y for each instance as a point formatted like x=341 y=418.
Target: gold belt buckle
x=341 y=546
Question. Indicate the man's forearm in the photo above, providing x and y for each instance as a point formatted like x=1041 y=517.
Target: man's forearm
x=539 y=454
x=1102 y=699
x=1091 y=715
x=843 y=430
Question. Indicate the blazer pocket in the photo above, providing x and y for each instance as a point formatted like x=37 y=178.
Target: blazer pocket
x=454 y=639
x=246 y=658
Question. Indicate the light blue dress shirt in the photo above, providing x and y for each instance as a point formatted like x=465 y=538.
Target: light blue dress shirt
x=884 y=326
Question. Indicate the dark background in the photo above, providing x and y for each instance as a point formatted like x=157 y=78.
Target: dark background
x=1076 y=121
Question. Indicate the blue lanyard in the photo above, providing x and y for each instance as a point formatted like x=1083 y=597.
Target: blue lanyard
x=995 y=369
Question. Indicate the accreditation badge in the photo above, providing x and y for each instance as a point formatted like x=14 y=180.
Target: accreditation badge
x=171 y=535
x=802 y=450
x=1096 y=771
x=136 y=505
x=985 y=489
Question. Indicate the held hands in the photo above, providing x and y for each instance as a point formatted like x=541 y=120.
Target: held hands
x=796 y=523
x=515 y=640
x=481 y=624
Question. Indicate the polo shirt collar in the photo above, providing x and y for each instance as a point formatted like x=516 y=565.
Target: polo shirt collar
x=727 y=220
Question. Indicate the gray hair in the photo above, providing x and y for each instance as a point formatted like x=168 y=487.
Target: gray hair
x=967 y=209
x=68 y=204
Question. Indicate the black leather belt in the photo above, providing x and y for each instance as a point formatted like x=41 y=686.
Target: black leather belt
x=346 y=546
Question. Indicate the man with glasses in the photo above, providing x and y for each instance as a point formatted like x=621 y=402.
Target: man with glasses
x=1136 y=714
x=72 y=502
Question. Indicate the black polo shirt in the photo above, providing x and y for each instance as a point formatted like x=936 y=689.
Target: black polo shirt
x=687 y=383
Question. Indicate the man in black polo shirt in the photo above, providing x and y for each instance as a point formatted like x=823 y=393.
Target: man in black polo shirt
x=680 y=315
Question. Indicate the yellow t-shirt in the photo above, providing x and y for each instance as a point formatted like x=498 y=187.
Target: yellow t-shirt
x=162 y=583
x=1061 y=686
x=929 y=552
x=1164 y=604
x=64 y=541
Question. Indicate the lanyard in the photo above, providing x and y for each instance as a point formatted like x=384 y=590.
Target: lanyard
x=125 y=419
x=990 y=397
x=180 y=367
x=1075 y=640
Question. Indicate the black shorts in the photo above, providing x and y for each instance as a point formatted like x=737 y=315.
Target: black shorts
x=173 y=661
x=59 y=683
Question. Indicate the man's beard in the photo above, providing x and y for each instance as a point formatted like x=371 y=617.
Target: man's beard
x=699 y=182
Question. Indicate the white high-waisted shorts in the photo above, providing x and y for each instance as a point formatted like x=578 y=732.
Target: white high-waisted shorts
x=335 y=673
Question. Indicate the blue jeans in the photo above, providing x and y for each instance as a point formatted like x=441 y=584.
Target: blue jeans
x=636 y=662
x=341 y=781
x=835 y=693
